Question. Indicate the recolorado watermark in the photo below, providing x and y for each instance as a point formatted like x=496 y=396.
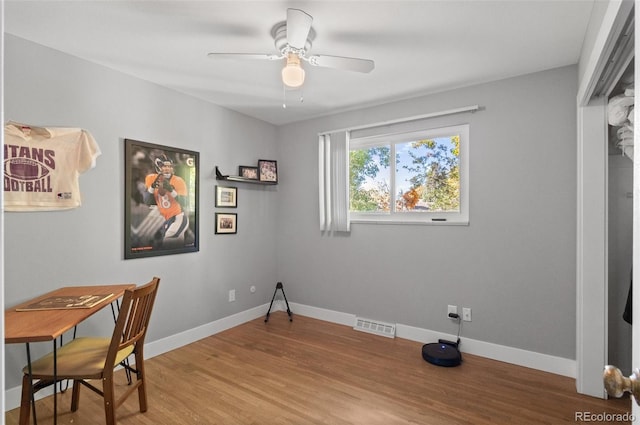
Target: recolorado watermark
x=603 y=417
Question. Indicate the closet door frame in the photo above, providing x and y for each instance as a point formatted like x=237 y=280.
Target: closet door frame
x=592 y=214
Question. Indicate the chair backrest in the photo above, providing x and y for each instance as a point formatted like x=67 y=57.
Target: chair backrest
x=133 y=319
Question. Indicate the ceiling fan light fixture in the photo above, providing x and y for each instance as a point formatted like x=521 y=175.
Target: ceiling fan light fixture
x=292 y=73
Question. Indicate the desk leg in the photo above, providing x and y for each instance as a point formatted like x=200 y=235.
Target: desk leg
x=55 y=380
x=31 y=391
x=66 y=387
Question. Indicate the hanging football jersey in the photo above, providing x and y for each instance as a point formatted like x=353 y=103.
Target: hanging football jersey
x=42 y=166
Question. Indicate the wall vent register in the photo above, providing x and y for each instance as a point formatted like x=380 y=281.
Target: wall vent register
x=375 y=327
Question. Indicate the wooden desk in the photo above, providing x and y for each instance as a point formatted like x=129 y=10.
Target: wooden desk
x=47 y=325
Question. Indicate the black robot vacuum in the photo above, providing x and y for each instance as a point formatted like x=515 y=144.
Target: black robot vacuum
x=444 y=353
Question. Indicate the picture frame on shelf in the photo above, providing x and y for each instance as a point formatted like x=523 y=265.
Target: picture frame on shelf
x=161 y=213
x=226 y=223
x=246 y=172
x=226 y=197
x=267 y=170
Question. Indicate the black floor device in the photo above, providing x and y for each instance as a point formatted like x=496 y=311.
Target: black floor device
x=444 y=353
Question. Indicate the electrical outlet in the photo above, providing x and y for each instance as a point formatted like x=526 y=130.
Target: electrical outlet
x=466 y=314
x=452 y=309
x=232 y=295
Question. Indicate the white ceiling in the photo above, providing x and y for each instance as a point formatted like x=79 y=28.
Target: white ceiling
x=419 y=47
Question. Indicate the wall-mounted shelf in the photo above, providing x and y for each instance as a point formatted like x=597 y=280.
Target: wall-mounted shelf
x=220 y=176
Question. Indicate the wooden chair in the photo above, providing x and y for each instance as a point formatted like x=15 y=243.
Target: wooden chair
x=88 y=358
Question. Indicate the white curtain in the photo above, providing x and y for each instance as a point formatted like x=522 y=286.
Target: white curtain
x=333 y=171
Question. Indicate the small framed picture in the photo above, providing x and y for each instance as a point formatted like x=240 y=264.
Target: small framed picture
x=267 y=170
x=226 y=223
x=250 y=173
x=226 y=197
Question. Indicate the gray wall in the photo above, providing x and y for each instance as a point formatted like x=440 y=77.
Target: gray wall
x=46 y=250
x=514 y=265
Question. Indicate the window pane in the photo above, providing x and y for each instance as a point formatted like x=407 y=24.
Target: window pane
x=369 y=179
x=417 y=176
x=428 y=175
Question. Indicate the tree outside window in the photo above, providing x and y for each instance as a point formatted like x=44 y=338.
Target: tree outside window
x=426 y=178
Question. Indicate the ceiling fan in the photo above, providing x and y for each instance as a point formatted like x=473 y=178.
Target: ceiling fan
x=292 y=39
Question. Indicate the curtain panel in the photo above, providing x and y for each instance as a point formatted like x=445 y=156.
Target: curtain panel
x=333 y=167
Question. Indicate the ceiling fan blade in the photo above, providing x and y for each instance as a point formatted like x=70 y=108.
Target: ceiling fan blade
x=298 y=27
x=258 y=56
x=340 y=62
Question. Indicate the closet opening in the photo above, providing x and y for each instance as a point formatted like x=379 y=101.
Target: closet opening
x=620 y=220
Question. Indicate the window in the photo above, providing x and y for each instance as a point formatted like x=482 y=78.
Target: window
x=414 y=177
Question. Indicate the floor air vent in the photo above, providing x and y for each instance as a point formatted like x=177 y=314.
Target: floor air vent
x=375 y=327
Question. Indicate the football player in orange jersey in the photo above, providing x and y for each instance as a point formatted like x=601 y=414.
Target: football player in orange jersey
x=169 y=192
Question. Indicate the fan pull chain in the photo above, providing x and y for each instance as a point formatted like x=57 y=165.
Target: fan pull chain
x=284 y=97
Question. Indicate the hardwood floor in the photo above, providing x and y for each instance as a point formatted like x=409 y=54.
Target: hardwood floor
x=314 y=372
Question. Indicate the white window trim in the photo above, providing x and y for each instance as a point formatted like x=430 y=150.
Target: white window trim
x=424 y=218
x=327 y=190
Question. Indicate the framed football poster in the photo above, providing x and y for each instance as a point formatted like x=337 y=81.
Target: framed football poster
x=161 y=200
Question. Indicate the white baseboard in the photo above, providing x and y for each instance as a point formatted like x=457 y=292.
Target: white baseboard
x=323 y=314
x=544 y=362
x=172 y=342
x=517 y=356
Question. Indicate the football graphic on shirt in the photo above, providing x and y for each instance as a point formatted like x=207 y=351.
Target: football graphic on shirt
x=25 y=169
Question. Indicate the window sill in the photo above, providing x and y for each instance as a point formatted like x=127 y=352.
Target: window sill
x=422 y=222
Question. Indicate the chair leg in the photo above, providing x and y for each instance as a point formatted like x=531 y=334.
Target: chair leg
x=25 y=402
x=108 y=388
x=75 y=395
x=142 y=388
